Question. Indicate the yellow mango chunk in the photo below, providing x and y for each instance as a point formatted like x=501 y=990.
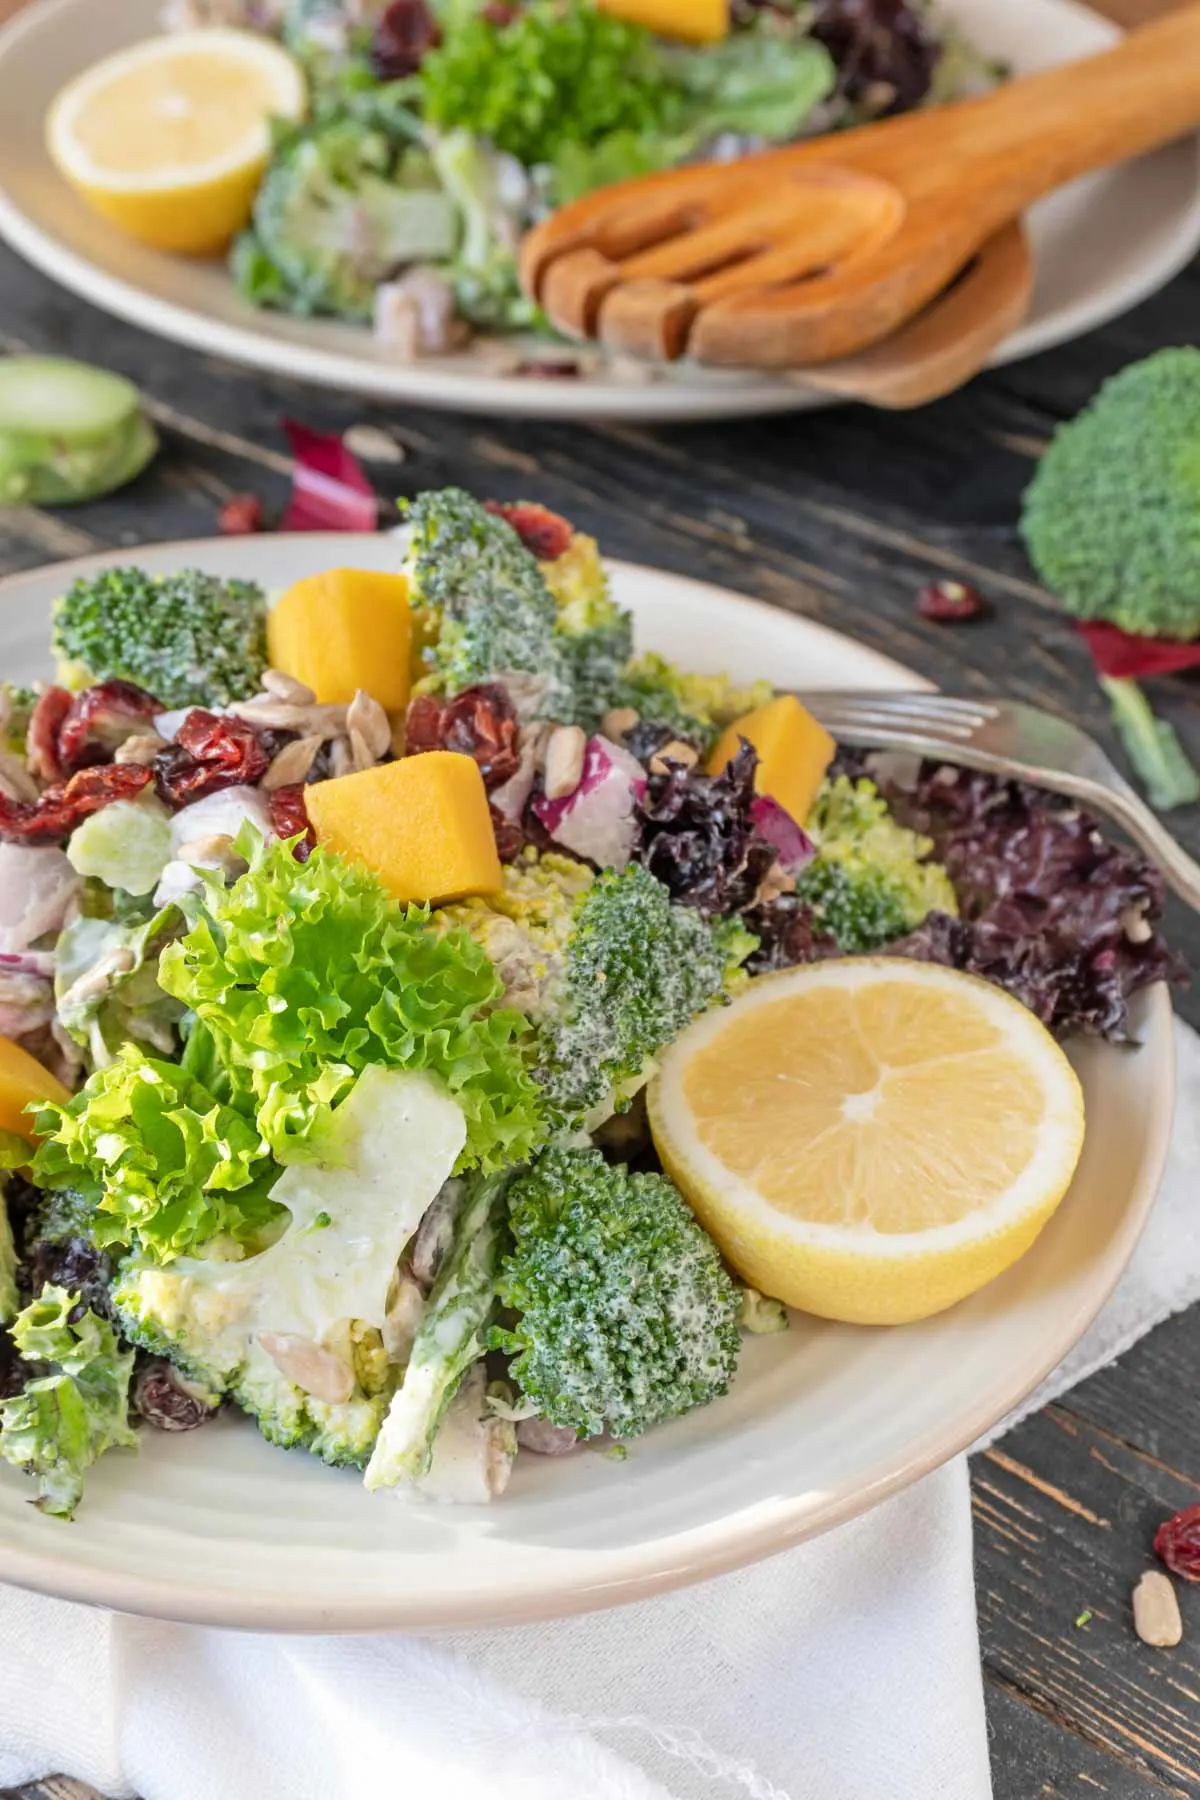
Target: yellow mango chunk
x=344 y=630
x=793 y=753
x=422 y=824
x=23 y=1080
x=698 y=21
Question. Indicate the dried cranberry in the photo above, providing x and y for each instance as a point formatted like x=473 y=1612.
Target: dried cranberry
x=240 y=516
x=41 y=742
x=403 y=37
x=545 y=534
x=210 y=752
x=423 y=724
x=510 y=839
x=289 y=818
x=950 y=602
x=54 y=815
x=547 y=368
x=500 y=13
x=884 y=53
x=1177 y=1543
x=481 y=722
x=165 y=1399
x=100 y=719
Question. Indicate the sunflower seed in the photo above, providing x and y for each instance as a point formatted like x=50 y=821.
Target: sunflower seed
x=564 y=761
x=366 y=717
x=1156 y=1611
x=286 y=687
x=293 y=763
x=140 y=749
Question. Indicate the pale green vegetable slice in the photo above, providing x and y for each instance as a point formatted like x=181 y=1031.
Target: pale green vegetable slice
x=68 y=432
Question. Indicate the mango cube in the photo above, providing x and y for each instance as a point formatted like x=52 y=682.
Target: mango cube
x=344 y=630
x=422 y=824
x=793 y=752
x=696 y=21
x=23 y=1080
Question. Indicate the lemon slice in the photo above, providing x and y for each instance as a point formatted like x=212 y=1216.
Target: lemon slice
x=169 y=139
x=870 y=1140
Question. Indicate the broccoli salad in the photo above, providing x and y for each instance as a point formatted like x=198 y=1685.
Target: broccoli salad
x=438 y=133
x=338 y=939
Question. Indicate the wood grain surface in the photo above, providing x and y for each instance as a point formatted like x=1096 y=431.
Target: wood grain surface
x=840 y=516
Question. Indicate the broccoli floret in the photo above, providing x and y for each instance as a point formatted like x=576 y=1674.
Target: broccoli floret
x=1152 y=746
x=638 y=969
x=626 y=1314
x=337 y=213
x=526 y=927
x=598 y=632
x=189 y=639
x=694 y=707
x=870 y=882
x=60 y=1422
x=16 y=710
x=495 y=613
x=240 y=1325
x=1111 y=519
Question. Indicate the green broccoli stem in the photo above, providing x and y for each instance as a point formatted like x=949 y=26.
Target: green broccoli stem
x=1152 y=745
x=450 y=1338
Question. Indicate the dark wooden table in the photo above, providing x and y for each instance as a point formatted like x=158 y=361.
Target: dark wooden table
x=840 y=516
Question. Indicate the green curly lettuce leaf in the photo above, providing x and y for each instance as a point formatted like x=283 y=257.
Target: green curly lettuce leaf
x=166 y=1165
x=62 y=1421
x=302 y=974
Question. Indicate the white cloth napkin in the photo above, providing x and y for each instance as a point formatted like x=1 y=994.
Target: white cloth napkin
x=847 y=1669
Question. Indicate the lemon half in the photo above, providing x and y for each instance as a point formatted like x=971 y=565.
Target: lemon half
x=169 y=139
x=870 y=1140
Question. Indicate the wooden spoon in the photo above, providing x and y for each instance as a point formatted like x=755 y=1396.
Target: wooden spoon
x=947 y=343
x=801 y=255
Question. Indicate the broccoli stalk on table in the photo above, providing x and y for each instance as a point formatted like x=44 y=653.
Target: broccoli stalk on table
x=624 y=1313
x=1111 y=521
x=65 y=1418
x=189 y=639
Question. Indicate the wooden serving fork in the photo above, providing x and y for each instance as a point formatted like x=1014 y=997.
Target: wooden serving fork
x=800 y=255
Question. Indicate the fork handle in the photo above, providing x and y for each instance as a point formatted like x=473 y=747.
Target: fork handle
x=1179 y=871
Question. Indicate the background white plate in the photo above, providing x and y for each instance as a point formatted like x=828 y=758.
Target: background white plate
x=1102 y=245
x=822 y=1422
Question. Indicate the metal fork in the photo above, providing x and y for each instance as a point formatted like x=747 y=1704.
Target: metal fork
x=1005 y=737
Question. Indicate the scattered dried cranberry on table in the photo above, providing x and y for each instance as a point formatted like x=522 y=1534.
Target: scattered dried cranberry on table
x=241 y=516
x=1177 y=1543
x=210 y=752
x=950 y=602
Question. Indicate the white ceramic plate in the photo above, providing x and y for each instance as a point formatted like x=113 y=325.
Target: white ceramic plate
x=822 y=1422
x=1102 y=245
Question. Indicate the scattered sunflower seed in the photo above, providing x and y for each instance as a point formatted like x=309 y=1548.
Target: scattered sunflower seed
x=1156 y=1616
x=373 y=444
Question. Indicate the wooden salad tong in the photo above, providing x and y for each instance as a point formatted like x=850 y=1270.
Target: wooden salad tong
x=814 y=252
